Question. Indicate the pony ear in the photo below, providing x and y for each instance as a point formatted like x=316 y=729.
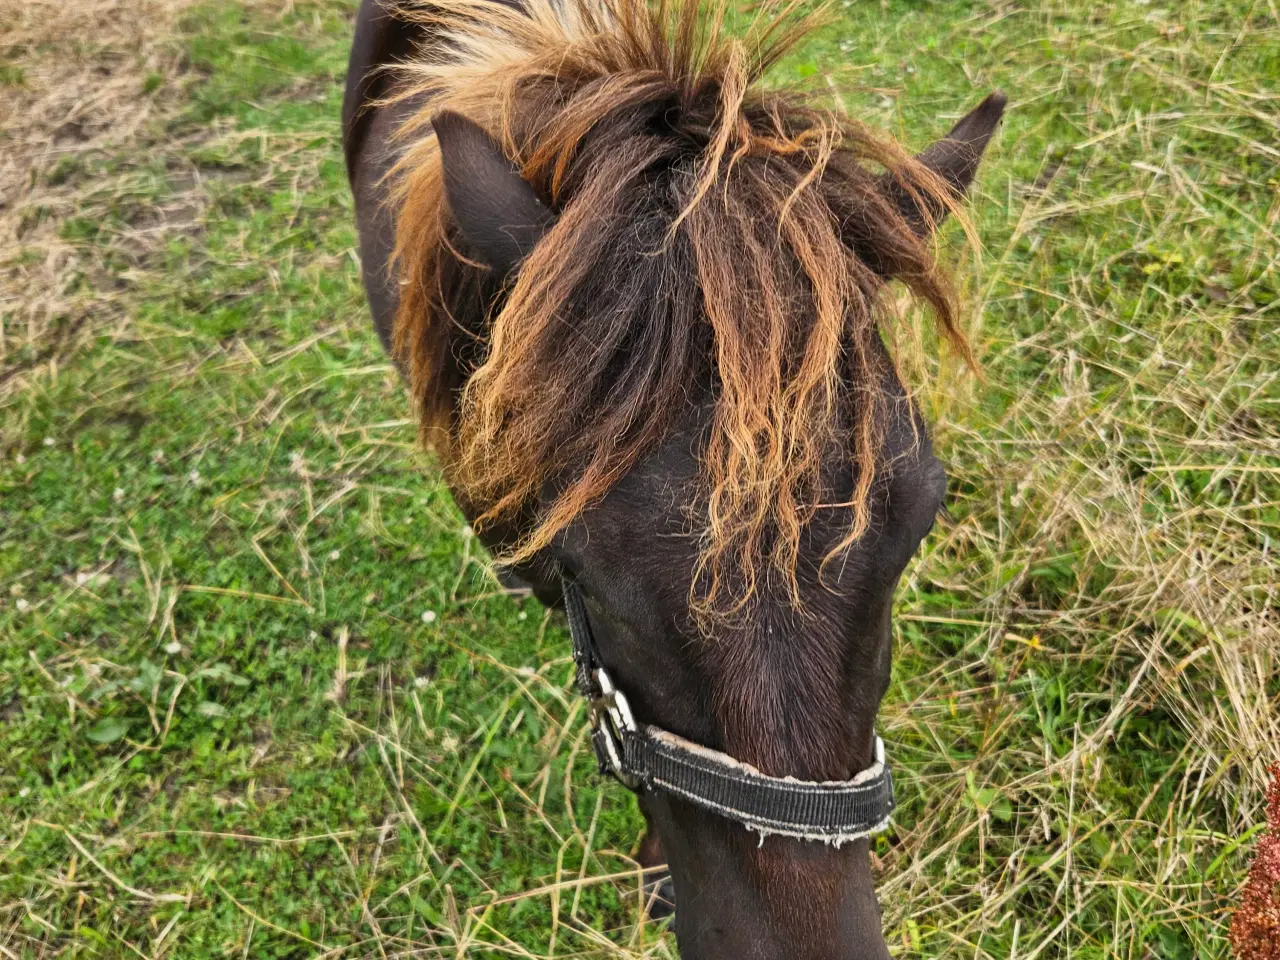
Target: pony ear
x=955 y=159
x=497 y=211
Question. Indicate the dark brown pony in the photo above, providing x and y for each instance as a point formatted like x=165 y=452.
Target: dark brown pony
x=636 y=297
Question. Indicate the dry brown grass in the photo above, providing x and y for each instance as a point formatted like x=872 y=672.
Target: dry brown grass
x=87 y=78
x=84 y=69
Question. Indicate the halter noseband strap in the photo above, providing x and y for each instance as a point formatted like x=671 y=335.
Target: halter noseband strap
x=648 y=757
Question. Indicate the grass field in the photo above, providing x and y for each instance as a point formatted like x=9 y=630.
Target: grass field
x=259 y=694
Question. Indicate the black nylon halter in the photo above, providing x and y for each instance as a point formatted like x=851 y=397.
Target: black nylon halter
x=647 y=757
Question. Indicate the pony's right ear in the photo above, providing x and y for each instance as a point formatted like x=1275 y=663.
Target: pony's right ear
x=954 y=159
x=497 y=211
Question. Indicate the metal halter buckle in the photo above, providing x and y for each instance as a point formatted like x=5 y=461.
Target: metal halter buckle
x=611 y=717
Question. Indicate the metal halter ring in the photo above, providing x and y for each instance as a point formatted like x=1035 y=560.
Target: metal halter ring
x=611 y=718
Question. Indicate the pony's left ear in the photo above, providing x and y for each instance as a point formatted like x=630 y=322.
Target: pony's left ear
x=955 y=159
x=497 y=211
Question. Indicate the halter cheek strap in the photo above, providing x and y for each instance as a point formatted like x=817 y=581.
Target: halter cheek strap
x=645 y=757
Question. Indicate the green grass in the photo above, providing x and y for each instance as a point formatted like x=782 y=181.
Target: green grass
x=260 y=695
